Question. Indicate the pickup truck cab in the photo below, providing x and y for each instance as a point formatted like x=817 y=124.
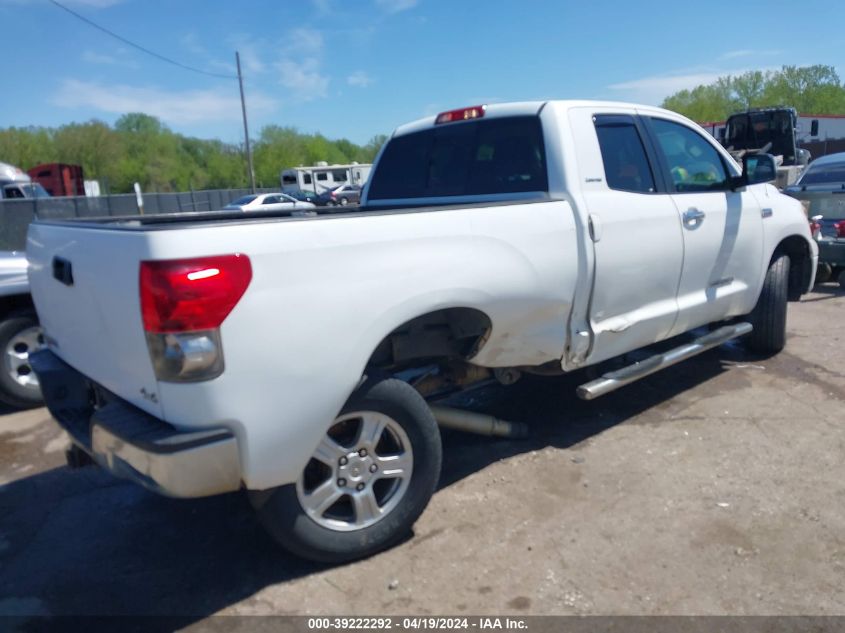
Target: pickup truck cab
x=220 y=351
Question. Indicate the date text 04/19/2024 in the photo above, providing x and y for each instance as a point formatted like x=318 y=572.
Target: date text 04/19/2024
x=429 y=623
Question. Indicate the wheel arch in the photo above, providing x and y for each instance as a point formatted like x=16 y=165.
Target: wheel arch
x=444 y=333
x=801 y=272
x=14 y=305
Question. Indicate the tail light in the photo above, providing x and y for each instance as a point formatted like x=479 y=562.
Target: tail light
x=183 y=304
x=461 y=114
x=815 y=229
x=840 y=228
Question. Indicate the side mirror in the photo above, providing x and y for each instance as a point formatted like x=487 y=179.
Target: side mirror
x=757 y=168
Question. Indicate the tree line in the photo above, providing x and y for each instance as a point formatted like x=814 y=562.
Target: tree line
x=809 y=89
x=140 y=148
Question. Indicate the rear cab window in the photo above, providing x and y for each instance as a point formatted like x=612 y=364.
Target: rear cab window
x=484 y=157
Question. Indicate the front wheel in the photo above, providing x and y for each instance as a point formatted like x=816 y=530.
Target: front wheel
x=367 y=482
x=769 y=315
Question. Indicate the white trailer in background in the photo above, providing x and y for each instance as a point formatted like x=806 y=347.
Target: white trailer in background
x=322 y=176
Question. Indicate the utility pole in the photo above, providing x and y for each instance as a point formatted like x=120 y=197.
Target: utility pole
x=246 y=127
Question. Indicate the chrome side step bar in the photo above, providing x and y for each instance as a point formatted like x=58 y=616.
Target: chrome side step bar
x=621 y=377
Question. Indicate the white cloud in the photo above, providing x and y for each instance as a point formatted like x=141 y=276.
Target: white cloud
x=747 y=52
x=303 y=41
x=359 y=79
x=323 y=7
x=96 y=4
x=191 y=42
x=395 y=6
x=248 y=47
x=93 y=57
x=190 y=106
x=250 y=61
x=303 y=78
x=93 y=4
x=657 y=87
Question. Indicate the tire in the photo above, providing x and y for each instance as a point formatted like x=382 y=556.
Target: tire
x=19 y=335
x=769 y=315
x=841 y=280
x=824 y=273
x=337 y=533
x=344 y=202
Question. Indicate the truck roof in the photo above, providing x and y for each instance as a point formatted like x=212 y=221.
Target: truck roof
x=528 y=108
x=10 y=173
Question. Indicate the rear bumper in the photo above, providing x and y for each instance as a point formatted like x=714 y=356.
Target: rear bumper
x=832 y=251
x=133 y=444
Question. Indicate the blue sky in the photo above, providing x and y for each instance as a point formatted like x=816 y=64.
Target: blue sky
x=355 y=68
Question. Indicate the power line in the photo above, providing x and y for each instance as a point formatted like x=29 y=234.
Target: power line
x=139 y=47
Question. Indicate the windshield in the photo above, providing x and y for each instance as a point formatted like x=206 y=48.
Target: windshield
x=493 y=156
x=36 y=190
x=26 y=190
x=242 y=201
x=824 y=174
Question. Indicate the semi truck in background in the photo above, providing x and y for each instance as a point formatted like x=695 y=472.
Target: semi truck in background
x=792 y=137
x=768 y=130
x=59 y=179
x=16 y=183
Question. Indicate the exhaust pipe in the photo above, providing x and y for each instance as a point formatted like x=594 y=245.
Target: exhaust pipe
x=478 y=423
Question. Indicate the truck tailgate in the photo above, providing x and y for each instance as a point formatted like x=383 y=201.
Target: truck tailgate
x=84 y=283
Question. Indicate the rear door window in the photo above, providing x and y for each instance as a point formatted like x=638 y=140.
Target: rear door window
x=491 y=156
x=626 y=165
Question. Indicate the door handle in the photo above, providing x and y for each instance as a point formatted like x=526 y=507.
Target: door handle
x=693 y=218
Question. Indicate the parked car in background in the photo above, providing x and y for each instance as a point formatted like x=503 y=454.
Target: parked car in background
x=821 y=190
x=303 y=196
x=343 y=195
x=267 y=202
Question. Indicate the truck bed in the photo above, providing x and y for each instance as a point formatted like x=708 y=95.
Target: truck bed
x=190 y=219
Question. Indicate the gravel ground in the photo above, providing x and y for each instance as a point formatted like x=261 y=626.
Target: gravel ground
x=714 y=487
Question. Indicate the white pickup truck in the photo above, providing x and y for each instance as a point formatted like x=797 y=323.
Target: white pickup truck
x=204 y=353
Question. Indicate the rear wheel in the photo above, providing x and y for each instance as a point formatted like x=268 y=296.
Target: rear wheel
x=769 y=315
x=20 y=335
x=344 y=202
x=842 y=280
x=367 y=482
